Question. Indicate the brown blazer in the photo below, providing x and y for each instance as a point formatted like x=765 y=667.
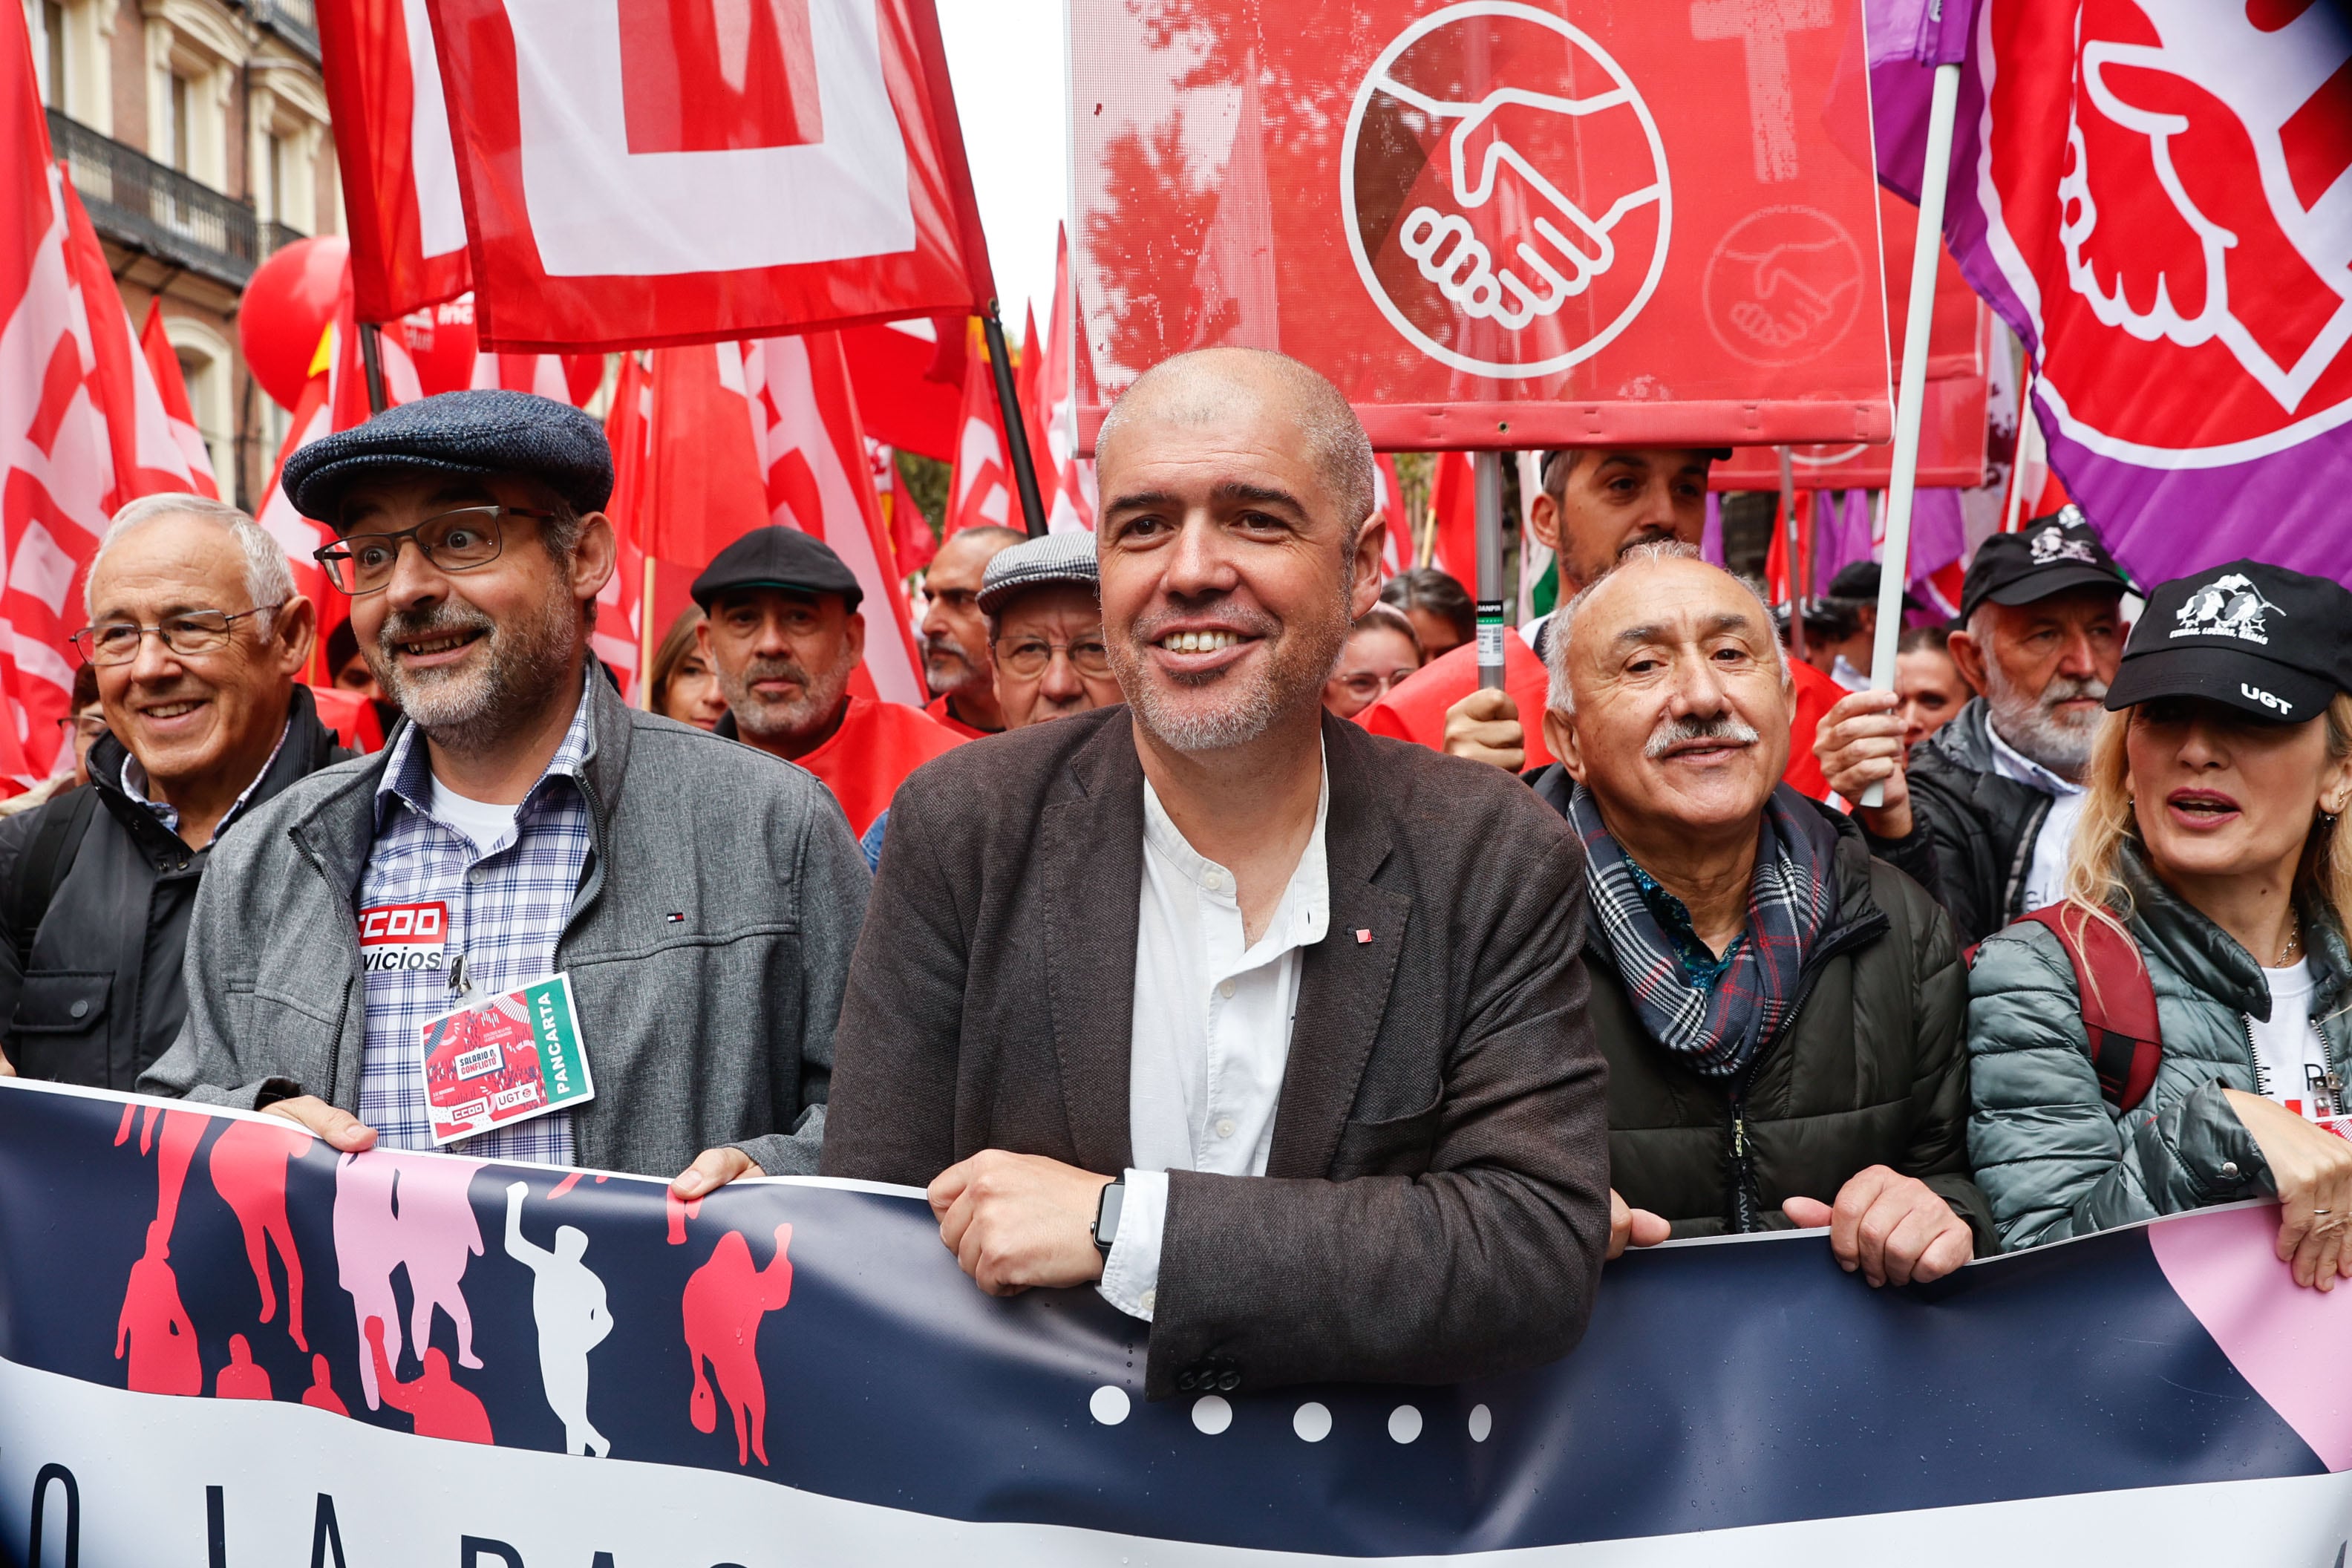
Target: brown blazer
x=1437 y=1203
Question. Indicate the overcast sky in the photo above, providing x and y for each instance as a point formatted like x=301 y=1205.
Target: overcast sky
x=1007 y=59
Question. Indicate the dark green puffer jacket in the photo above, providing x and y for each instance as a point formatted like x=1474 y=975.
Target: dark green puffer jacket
x=1869 y=1071
x=2055 y=1158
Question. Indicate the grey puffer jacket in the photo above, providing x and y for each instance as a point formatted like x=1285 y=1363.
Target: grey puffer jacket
x=707 y=945
x=2055 y=1158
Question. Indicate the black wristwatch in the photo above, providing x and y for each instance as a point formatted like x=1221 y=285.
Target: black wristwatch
x=1114 y=1197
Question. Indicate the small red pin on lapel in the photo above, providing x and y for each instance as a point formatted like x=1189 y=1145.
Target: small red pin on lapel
x=1363 y=935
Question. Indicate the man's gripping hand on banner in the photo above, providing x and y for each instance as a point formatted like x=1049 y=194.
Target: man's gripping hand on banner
x=1630 y=1226
x=1895 y=1229
x=337 y=1128
x=1018 y=1220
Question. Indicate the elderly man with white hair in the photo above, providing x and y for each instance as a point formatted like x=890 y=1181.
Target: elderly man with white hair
x=196 y=634
x=1781 y=1013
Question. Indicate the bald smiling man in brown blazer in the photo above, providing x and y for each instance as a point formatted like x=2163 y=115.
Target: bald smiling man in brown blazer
x=1272 y=1030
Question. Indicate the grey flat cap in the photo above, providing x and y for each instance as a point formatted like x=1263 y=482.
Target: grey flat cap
x=484 y=432
x=1057 y=558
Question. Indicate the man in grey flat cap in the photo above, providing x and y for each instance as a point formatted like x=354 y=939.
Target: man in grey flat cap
x=672 y=913
x=1040 y=601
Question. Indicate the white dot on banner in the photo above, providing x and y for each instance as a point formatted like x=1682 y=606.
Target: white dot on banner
x=1404 y=1423
x=1313 y=1422
x=1481 y=1424
x=1110 y=1406
x=1212 y=1415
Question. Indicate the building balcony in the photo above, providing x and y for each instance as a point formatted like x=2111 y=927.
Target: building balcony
x=295 y=21
x=150 y=207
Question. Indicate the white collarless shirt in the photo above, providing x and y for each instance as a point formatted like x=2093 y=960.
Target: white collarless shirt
x=1210 y=1034
x=2046 y=879
x=2290 y=1054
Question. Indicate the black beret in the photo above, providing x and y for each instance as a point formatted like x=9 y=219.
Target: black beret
x=485 y=431
x=777 y=557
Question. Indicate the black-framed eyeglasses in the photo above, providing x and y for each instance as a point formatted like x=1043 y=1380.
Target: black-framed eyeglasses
x=189 y=633
x=464 y=540
x=1029 y=657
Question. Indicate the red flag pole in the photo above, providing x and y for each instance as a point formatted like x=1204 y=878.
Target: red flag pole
x=1896 y=568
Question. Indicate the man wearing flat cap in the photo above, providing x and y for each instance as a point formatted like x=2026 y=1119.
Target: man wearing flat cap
x=782 y=629
x=1041 y=604
x=699 y=901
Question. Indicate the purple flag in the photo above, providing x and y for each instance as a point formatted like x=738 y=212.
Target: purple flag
x=2156 y=196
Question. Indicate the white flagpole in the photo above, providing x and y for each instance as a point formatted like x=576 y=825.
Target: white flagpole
x=1895 y=568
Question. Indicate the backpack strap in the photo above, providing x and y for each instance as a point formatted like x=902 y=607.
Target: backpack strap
x=45 y=864
x=2118 y=1000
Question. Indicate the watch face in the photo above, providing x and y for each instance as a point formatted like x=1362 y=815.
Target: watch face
x=1107 y=1215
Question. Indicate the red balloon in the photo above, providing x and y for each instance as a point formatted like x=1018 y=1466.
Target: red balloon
x=440 y=340
x=288 y=304
x=582 y=375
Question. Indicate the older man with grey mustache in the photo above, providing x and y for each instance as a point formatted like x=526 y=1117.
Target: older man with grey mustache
x=1781 y=1013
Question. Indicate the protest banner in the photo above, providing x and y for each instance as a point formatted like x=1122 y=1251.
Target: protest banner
x=218 y=1335
x=1492 y=224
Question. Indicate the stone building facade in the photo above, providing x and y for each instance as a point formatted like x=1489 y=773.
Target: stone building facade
x=197 y=134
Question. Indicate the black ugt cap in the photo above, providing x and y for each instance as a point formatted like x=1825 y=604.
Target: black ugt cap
x=2048 y=555
x=777 y=557
x=2267 y=641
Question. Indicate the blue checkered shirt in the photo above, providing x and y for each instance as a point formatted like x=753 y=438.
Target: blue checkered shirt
x=506 y=903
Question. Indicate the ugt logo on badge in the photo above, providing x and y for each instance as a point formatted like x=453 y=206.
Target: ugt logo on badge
x=1504 y=190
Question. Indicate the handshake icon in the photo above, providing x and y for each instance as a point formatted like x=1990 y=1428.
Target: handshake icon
x=1557 y=248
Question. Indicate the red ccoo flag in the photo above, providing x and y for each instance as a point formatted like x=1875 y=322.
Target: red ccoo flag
x=164 y=364
x=392 y=145
x=654 y=177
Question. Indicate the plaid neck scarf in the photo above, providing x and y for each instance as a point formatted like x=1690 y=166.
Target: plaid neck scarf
x=1715 y=1020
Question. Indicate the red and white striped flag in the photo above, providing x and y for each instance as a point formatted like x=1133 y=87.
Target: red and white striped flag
x=1454 y=495
x=164 y=364
x=1388 y=507
x=981 y=493
x=567 y=378
x=819 y=480
x=1073 y=487
x=407 y=217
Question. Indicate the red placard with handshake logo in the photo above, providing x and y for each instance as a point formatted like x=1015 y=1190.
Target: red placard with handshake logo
x=1493 y=223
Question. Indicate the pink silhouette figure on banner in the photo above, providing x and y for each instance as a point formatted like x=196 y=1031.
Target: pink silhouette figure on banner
x=396 y=1210
x=679 y=1212
x=153 y=1327
x=725 y=1300
x=322 y=1394
x=241 y=1379
x=437 y=1234
x=182 y=1131
x=435 y=1401
x=248 y=1171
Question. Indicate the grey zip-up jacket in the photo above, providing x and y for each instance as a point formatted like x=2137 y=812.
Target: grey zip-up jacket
x=1983 y=825
x=708 y=947
x=2053 y=1156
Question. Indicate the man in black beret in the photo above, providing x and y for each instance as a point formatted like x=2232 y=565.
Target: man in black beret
x=697 y=902
x=782 y=629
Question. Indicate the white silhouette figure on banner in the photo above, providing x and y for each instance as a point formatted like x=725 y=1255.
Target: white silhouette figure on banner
x=567 y=1301
x=393 y=1213
x=2244 y=193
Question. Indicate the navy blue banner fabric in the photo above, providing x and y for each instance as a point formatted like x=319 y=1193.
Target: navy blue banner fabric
x=821 y=1337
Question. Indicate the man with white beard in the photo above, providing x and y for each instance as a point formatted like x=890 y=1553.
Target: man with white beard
x=1998 y=789
x=1122 y=967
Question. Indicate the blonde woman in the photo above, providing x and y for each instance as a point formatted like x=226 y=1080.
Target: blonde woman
x=2211 y=837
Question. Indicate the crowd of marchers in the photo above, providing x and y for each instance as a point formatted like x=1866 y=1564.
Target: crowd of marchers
x=1211 y=863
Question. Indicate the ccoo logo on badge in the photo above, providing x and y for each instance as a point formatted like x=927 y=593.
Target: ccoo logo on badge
x=1500 y=164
